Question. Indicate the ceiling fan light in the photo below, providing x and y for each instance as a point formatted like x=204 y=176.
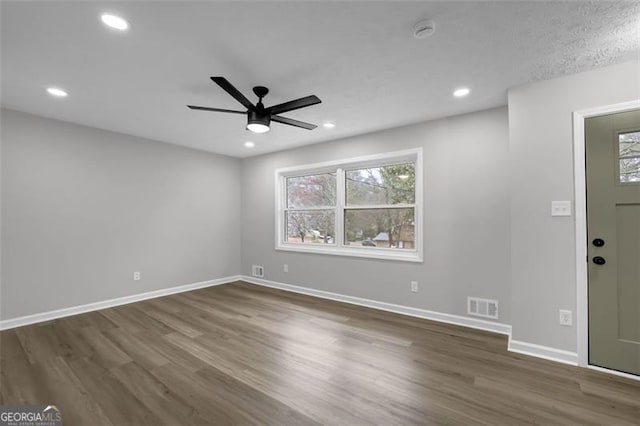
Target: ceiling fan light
x=257 y=124
x=258 y=128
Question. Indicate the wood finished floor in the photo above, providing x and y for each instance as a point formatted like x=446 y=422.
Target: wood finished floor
x=242 y=354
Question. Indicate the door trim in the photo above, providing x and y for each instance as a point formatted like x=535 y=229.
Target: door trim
x=580 y=202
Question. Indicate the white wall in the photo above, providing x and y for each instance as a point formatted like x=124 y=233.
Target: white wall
x=466 y=221
x=543 y=260
x=82 y=209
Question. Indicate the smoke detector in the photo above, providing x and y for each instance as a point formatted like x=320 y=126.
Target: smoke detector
x=424 y=29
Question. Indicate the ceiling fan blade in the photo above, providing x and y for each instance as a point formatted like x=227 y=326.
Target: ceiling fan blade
x=295 y=104
x=230 y=89
x=216 y=109
x=292 y=122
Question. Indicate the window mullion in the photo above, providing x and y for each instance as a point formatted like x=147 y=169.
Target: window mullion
x=281 y=206
x=308 y=209
x=340 y=201
x=379 y=206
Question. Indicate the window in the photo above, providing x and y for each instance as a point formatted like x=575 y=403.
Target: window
x=310 y=209
x=629 y=157
x=366 y=207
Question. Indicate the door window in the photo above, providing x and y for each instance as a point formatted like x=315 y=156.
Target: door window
x=629 y=157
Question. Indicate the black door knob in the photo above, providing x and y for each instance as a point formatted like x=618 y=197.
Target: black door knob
x=598 y=242
x=599 y=260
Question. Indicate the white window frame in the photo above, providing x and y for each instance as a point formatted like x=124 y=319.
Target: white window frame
x=338 y=248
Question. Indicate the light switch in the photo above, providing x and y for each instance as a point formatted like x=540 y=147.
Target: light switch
x=561 y=208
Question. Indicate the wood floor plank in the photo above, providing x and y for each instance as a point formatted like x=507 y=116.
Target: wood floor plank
x=38 y=342
x=117 y=402
x=175 y=354
x=71 y=343
x=10 y=345
x=198 y=395
x=91 y=319
x=260 y=407
x=133 y=318
x=160 y=399
x=174 y=321
x=136 y=349
x=64 y=389
x=105 y=352
x=243 y=354
x=20 y=381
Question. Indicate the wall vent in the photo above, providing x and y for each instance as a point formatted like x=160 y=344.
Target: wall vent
x=257 y=271
x=486 y=308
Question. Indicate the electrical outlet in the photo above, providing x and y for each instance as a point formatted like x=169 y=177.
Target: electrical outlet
x=566 y=317
x=285 y=268
x=136 y=276
x=414 y=286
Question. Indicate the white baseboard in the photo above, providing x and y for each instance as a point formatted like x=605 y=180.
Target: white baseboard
x=390 y=307
x=614 y=372
x=545 y=352
x=525 y=348
x=75 y=310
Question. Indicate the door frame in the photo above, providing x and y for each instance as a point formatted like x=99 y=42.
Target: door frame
x=580 y=203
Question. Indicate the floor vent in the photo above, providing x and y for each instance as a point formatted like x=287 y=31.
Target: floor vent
x=482 y=307
x=257 y=271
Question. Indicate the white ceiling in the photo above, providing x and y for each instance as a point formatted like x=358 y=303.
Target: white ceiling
x=359 y=57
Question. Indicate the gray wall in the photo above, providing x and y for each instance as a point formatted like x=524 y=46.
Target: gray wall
x=466 y=221
x=82 y=209
x=541 y=170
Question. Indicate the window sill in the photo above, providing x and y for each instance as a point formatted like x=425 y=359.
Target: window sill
x=406 y=256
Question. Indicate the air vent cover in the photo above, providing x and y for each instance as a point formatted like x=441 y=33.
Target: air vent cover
x=486 y=308
x=257 y=271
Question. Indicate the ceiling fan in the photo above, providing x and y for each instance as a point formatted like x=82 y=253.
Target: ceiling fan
x=259 y=117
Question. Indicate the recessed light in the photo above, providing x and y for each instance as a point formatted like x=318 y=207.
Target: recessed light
x=328 y=124
x=403 y=177
x=249 y=144
x=57 y=92
x=461 y=92
x=115 y=22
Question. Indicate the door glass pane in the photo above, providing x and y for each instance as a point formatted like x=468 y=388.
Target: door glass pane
x=310 y=227
x=311 y=191
x=383 y=228
x=629 y=158
x=381 y=185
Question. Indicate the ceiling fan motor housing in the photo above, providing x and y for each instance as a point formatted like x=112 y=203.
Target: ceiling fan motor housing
x=258 y=117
